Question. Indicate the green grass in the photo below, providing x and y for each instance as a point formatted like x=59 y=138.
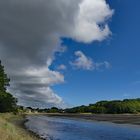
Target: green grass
x=11 y=128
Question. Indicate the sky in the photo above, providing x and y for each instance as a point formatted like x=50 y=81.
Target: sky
x=70 y=52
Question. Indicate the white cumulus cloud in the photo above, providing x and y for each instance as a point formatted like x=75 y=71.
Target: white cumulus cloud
x=86 y=63
x=82 y=61
x=90 y=23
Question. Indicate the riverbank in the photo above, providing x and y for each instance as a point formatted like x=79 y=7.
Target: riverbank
x=114 y=118
x=12 y=128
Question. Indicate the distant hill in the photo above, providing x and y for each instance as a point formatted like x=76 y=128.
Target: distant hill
x=113 y=107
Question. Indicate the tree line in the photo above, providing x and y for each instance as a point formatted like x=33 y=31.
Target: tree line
x=109 y=107
x=101 y=107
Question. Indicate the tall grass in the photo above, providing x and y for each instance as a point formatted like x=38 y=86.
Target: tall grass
x=11 y=129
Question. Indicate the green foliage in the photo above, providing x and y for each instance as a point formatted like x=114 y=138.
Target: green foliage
x=54 y=110
x=7 y=101
x=113 y=107
x=4 y=81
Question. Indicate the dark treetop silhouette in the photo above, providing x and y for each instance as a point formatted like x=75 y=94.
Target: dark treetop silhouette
x=7 y=101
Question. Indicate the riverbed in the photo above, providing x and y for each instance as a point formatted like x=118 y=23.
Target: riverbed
x=62 y=128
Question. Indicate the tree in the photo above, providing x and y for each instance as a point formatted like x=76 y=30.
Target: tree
x=7 y=101
x=4 y=80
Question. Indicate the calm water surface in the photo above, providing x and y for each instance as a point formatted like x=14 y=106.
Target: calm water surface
x=55 y=128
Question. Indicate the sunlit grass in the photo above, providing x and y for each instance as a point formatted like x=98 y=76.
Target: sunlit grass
x=11 y=130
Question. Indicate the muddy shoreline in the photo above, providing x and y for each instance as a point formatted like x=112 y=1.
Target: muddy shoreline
x=114 y=118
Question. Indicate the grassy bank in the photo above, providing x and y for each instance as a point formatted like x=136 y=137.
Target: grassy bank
x=11 y=128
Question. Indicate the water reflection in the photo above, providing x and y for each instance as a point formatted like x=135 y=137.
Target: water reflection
x=54 y=128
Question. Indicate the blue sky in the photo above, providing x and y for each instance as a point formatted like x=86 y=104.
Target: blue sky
x=71 y=52
x=121 y=50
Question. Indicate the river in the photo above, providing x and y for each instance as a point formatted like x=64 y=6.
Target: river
x=59 y=128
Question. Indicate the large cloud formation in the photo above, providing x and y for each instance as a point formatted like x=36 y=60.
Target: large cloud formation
x=30 y=34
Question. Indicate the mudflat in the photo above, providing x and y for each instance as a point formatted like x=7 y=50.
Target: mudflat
x=115 y=118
